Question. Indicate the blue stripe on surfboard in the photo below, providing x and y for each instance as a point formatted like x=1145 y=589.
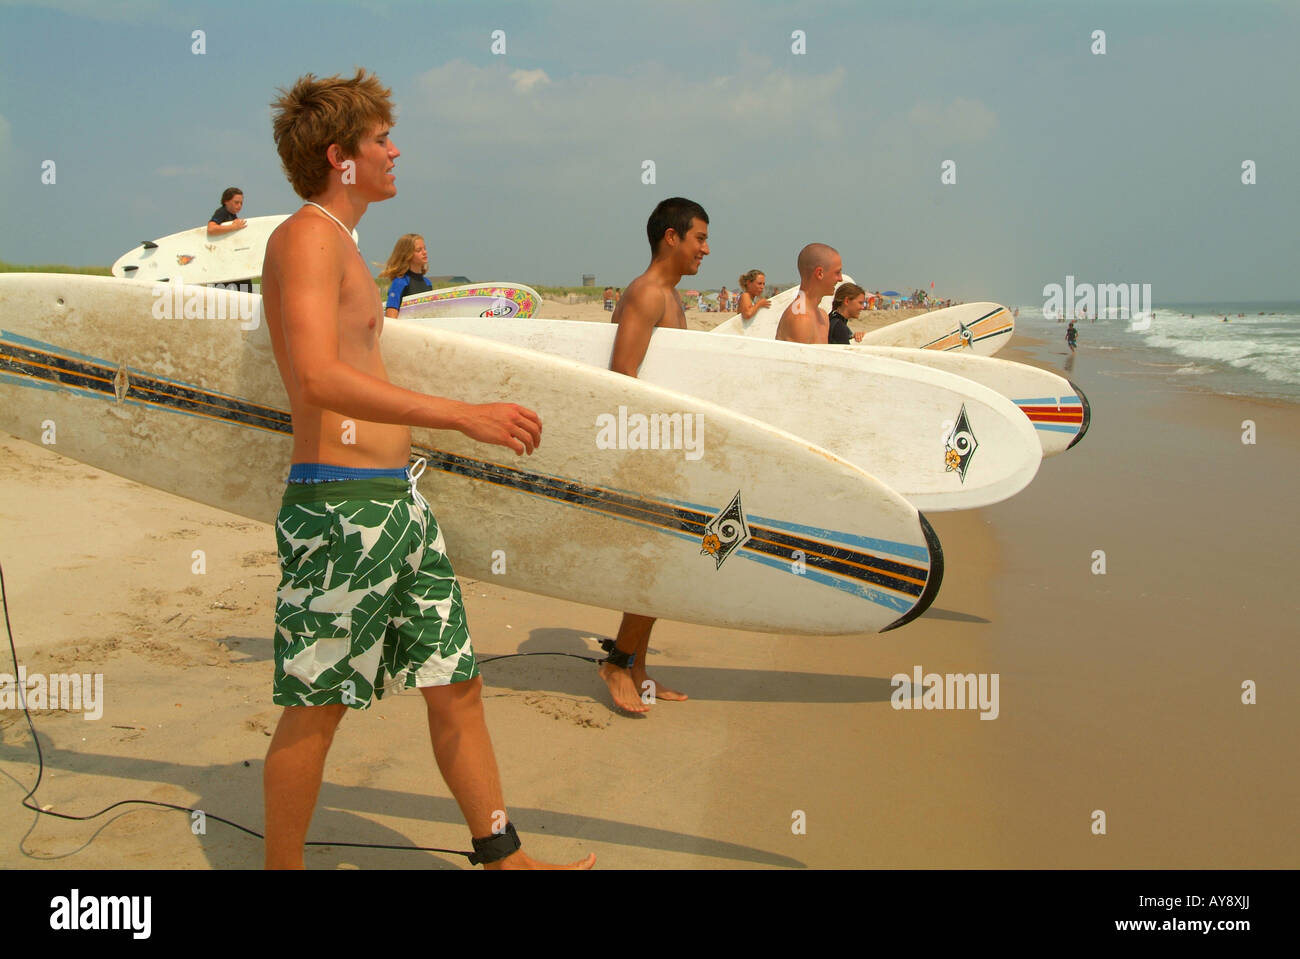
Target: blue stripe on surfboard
x=108 y=364
x=919 y=553
x=1058 y=427
x=889 y=574
x=41 y=345
x=33 y=383
x=1048 y=401
x=900 y=603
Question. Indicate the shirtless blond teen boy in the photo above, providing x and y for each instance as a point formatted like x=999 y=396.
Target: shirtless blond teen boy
x=367 y=602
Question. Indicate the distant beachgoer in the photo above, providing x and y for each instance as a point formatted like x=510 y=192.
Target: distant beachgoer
x=803 y=321
x=609 y=299
x=1015 y=314
x=226 y=219
x=1071 y=336
x=850 y=299
x=723 y=299
x=406 y=268
x=751 y=297
x=618 y=293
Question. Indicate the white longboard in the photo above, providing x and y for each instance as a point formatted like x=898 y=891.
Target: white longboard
x=1057 y=408
x=476 y=299
x=941 y=441
x=978 y=328
x=751 y=528
x=192 y=256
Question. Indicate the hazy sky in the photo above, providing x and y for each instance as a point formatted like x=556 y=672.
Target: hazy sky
x=1116 y=168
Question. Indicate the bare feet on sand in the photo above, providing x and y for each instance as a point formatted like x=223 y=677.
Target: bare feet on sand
x=656 y=690
x=625 y=694
x=627 y=687
x=521 y=860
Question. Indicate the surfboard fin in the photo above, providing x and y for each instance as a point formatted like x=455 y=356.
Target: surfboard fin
x=932 y=582
x=1087 y=413
x=149 y=244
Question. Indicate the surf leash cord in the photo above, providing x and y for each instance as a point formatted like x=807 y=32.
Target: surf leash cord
x=28 y=803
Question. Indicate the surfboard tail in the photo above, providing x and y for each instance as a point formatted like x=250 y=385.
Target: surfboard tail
x=1087 y=413
x=932 y=582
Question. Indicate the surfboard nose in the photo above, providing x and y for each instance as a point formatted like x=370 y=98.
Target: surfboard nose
x=932 y=582
x=1087 y=413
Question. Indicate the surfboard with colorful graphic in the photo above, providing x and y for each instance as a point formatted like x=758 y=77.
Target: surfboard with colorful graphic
x=639 y=498
x=979 y=329
x=476 y=299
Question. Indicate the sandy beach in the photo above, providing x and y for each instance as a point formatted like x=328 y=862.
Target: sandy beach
x=1119 y=692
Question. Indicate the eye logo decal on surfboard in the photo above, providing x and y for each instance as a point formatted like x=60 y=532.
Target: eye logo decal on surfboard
x=726 y=532
x=965 y=335
x=960 y=446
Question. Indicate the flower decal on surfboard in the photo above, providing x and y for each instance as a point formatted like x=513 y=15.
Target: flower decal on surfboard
x=184 y=258
x=726 y=532
x=960 y=446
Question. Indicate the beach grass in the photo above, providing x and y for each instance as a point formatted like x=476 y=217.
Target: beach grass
x=54 y=268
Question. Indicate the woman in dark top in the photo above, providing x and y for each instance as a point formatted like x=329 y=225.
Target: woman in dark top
x=849 y=301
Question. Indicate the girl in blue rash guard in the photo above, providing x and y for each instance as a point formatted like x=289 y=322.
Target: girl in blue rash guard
x=406 y=267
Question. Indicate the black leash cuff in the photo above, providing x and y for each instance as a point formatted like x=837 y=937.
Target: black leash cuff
x=495 y=847
x=616 y=656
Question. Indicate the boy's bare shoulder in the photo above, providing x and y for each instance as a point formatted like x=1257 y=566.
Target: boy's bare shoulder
x=643 y=299
x=302 y=227
x=299 y=235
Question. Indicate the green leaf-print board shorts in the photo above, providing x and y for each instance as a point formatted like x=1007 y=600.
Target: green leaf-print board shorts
x=367 y=603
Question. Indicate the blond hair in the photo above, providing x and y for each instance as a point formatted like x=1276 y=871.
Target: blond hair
x=399 y=261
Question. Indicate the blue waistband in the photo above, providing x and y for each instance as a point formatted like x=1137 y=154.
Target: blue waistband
x=325 y=473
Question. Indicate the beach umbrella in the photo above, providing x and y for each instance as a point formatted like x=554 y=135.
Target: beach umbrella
x=891 y=293
x=691 y=293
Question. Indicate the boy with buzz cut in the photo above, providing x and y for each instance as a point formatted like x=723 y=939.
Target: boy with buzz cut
x=354 y=621
x=803 y=321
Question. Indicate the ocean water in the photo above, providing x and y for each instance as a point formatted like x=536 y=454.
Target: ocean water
x=1255 y=353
